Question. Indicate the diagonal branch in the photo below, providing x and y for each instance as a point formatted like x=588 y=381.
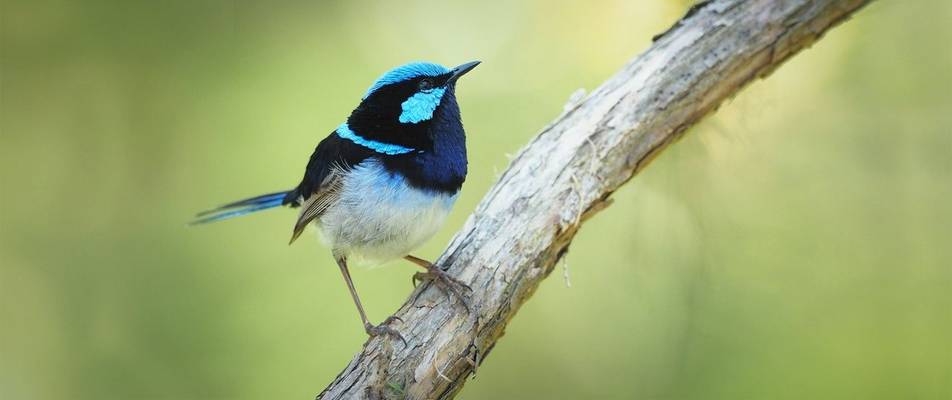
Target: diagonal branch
x=526 y=222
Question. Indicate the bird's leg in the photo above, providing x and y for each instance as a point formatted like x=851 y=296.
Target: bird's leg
x=443 y=280
x=368 y=327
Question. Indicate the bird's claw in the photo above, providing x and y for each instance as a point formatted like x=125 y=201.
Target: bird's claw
x=447 y=283
x=384 y=329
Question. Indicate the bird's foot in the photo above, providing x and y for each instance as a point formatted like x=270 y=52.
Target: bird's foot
x=385 y=329
x=447 y=283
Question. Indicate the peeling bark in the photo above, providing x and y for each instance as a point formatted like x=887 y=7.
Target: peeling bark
x=526 y=222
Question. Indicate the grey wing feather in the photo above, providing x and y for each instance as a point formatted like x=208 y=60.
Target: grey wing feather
x=314 y=206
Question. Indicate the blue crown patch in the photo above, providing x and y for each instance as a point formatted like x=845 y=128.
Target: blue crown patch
x=407 y=71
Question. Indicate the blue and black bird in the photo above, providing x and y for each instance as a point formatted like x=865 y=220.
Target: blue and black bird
x=382 y=183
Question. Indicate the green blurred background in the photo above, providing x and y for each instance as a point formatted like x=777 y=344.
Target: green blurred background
x=794 y=245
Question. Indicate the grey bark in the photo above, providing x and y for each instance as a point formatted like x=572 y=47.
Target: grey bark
x=526 y=222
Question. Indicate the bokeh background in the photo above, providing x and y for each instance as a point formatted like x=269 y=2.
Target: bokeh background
x=794 y=245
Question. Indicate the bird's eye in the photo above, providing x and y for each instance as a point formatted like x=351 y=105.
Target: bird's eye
x=426 y=84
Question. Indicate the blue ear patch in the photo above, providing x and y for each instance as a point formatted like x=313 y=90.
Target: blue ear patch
x=383 y=148
x=407 y=71
x=421 y=105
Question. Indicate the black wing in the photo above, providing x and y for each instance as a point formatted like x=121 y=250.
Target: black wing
x=323 y=178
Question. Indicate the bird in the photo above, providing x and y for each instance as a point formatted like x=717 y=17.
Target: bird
x=382 y=183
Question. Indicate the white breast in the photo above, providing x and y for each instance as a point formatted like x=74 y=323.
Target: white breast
x=380 y=217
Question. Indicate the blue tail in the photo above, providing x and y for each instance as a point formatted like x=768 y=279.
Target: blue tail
x=241 y=207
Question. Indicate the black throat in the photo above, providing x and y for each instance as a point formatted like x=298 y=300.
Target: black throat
x=438 y=160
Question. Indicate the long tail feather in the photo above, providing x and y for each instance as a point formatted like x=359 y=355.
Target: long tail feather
x=239 y=208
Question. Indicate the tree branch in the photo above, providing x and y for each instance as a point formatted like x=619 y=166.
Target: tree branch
x=526 y=222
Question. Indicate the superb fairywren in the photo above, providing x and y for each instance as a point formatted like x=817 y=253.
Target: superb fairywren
x=383 y=182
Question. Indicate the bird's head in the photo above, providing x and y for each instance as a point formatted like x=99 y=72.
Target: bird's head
x=404 y=104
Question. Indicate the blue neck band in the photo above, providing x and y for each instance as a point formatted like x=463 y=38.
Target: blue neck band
x=384 y=148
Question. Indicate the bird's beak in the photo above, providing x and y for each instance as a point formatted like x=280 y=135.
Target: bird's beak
x=462 y=70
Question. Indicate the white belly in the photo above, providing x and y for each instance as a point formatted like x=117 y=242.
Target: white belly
x=379 y=217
